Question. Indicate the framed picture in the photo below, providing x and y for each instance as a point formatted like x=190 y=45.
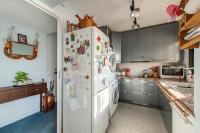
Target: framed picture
x=22 y=38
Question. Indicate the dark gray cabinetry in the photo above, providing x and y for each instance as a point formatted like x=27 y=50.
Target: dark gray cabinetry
x=157 y=43
x=116 y=43
x=125 y=46
x=171 y=45
x=166 y=111
x=146 y=92
x=139 y=91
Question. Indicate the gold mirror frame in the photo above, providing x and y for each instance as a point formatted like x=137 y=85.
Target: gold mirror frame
x=8 y=52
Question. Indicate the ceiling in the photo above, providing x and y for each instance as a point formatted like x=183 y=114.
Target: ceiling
x=22 y=13
x=115 y=13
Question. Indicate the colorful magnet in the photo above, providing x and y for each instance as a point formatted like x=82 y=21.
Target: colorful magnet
x=99 y=39
x=67 y=59
x=81 y=50
x=98 y=47
x=67 y=41
x=72 y=37
x=86 y=43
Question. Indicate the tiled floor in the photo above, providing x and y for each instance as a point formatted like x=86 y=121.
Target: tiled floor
x=130 y=118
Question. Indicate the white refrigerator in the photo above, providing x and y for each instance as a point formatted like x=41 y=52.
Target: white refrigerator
x=86 y=79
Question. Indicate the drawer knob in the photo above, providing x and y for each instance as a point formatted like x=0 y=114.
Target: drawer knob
x=37 y=89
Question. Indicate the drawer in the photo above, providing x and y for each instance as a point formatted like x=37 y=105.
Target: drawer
x=36 y=90
x=10 y=95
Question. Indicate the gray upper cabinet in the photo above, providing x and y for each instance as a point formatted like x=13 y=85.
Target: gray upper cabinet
x=157 y=43
x=116 y=43
x=171 y=45
x=139 y=41
x=125 y=46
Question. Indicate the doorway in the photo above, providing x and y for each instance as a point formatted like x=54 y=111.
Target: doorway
x=22 y=114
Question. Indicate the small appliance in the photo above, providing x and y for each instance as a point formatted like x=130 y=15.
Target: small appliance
x=172 y=71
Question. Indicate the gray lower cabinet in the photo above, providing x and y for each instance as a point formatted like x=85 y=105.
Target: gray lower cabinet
x=139 y=91
x=146 y=92
x=116 y=43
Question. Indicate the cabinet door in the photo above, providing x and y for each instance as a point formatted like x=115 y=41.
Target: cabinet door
x=140 y=45
x=116 y=43
x=157 y=43
x=125 y=47
x=171 y=45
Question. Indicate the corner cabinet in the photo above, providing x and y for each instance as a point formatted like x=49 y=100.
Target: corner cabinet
x=156 y=43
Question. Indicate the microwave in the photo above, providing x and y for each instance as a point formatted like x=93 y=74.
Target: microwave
x=171 y=71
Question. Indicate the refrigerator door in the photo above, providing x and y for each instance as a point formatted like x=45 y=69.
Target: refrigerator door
x=100 y=111
x=77 y=87
x=101 y=52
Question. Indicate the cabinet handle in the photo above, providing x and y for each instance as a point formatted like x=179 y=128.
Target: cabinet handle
x=37 y=89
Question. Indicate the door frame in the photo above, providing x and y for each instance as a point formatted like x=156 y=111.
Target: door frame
x=43 y=7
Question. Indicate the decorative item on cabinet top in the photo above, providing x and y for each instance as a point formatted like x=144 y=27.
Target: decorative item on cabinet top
x=17 y=50
x=87 y=21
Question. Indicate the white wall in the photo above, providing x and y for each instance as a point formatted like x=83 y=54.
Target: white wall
x=137 y=68
x=37 y=69
x=197 y=89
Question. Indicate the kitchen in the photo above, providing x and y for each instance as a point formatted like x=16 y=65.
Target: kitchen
x=131 y=67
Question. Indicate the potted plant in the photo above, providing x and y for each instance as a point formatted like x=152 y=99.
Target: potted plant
x=22 y=78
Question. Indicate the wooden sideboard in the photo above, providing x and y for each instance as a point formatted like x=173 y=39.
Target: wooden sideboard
x=12 y=93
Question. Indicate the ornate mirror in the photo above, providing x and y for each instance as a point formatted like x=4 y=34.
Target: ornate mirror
x=16 y=50
x=21 y=49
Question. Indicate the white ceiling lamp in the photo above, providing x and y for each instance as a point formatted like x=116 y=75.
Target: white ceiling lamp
x=134 y=11
x=135 y=24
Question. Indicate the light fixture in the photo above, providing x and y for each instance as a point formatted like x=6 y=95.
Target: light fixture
x=135 y=24
x=134 y=11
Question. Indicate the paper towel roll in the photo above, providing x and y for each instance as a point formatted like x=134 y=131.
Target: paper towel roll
x=192 y=6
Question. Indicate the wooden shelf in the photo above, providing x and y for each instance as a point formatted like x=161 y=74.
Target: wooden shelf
x=191 y=44
x=192 y=22
x=188 y=22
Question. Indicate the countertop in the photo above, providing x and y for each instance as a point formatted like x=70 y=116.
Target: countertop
x=182 y=97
